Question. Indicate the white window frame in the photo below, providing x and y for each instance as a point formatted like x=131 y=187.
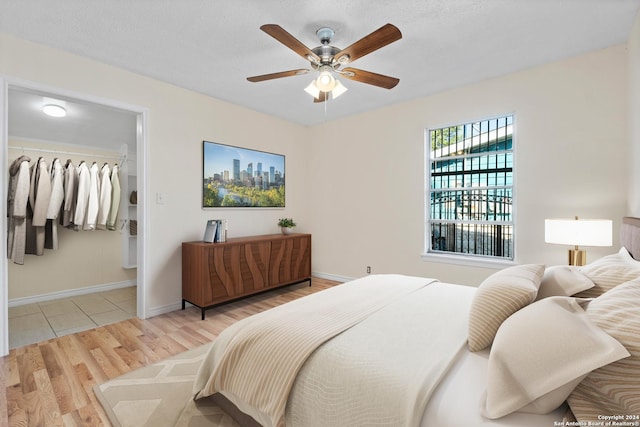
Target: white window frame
x=468 y=259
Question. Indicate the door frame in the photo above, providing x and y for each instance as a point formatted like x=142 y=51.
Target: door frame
x=141 y=166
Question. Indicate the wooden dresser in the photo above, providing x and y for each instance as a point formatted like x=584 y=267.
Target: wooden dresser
x=215 y=273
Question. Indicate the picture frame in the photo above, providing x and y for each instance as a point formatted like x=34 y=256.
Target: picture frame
x=237 y=177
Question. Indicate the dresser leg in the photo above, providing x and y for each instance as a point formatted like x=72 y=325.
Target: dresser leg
x=202 y=309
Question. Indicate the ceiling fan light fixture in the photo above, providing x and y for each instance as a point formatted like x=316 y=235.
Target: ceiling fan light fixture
x=312 y=89
x=338 y=90
x=327 y=60
x=325 y=81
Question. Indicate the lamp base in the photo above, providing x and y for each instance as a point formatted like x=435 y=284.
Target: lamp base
x=577 y=257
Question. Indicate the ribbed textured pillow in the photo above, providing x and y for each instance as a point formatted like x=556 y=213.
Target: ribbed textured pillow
x=614 y=388
x=609 y=272
x=498 y=297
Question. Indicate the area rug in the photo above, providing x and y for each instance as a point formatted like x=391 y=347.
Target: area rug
x=157 y=396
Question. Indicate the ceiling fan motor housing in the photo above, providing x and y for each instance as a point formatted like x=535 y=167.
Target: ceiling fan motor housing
x=326 y=53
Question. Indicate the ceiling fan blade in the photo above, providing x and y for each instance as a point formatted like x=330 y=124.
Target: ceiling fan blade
x=272 y=76
x=368 y=77
x=322 y=97
x=280 y=34
x=381 y=37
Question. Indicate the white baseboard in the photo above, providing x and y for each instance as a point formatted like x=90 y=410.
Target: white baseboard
x=164 y=309
x=331 y=277
x=70 y=293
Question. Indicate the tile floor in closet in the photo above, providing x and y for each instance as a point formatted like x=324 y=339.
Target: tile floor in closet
x=31 y=323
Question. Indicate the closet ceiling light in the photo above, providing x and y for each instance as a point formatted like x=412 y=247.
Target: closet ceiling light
x=54 y=110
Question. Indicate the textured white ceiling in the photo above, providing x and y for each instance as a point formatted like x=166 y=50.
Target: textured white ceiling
x=211 y=46
x=86 y=124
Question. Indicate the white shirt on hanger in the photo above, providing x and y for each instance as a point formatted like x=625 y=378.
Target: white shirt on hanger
x=115 y=199
x=70 y=193
x=93 y=203
x=105 y=197
x=84 y=182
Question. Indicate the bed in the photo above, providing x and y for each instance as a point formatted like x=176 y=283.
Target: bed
x=419 y=352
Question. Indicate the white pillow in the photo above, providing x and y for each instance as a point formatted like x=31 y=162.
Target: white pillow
x=563 y=280
x=498 y=296
x=541 y=353
x=609 y=272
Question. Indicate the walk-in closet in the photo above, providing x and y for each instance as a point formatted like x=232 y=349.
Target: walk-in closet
x=72 y=234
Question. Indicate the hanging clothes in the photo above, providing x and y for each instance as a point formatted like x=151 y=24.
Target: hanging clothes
x=55 y=202
x=39 y=196
x=93 y=203
x=19 y=185
x=84 y=181
x=39 y=199
x=105 y=197
x=115 y=199
x=70 y=194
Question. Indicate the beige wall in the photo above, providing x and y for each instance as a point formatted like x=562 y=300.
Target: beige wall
x=362 y=195
x=570 y=158
x=634 y=118
x=84 y=258
x=178 y=121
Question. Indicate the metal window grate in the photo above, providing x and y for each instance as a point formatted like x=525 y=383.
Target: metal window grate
x=471 y=189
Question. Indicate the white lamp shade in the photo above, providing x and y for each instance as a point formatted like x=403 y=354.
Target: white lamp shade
x=338 y=90
x=312 y=89
x=325 y=81
x=578 y=232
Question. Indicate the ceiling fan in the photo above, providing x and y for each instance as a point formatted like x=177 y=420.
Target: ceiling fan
x=328 y=60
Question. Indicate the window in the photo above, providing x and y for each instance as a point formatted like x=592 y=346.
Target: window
x=470 y=176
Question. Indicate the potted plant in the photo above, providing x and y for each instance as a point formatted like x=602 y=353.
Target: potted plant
x=286 y=225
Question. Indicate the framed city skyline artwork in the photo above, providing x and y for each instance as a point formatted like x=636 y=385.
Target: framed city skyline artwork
x=236 y=177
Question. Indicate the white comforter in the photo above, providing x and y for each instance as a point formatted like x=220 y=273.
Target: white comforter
x=380 y=367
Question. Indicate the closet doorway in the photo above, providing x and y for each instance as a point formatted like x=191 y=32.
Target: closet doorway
x=100 y=261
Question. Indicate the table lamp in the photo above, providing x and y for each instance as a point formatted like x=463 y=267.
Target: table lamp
x=578 y=232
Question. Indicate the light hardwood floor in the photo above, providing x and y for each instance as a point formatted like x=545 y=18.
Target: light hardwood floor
x=50 y=383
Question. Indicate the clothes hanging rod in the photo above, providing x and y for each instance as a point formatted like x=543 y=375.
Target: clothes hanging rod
x=70 y=153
